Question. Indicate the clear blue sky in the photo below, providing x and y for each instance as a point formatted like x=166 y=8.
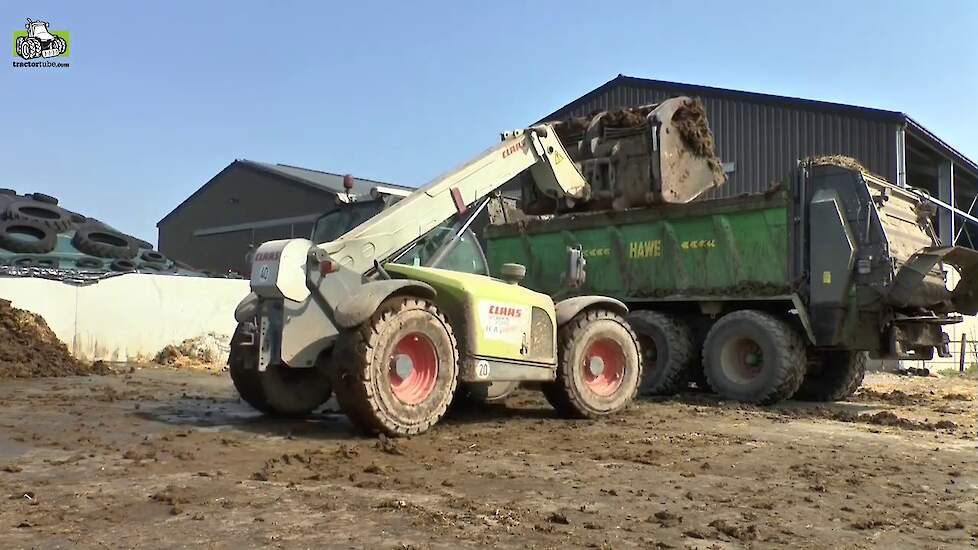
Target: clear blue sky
x=161 y=96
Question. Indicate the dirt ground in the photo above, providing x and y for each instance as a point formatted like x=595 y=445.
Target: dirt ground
x=164 y=457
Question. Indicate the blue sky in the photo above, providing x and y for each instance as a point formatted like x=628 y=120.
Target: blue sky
x=161 y=96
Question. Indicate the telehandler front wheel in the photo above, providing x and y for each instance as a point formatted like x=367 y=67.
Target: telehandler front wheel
x=397 y=372
x=599 y=369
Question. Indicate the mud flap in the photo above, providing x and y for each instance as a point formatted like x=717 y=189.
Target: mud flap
x=964 y=299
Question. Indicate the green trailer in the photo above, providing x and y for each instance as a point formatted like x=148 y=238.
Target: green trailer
x=764 y=296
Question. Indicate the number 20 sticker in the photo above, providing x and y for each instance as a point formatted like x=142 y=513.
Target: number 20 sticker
x=482 y=369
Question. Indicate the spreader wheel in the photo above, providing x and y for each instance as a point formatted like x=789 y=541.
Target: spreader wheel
x=397 y=373
x=598 y=369
x=667 y=351
x=755 y=357
x=833 y=375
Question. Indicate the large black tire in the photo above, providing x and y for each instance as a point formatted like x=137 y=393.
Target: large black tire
x=42 y=213
x=397 y=372
x=47 y=199
x=754 y=357
x=599 y=369
x=27 y=237
x=42 y=262
x=149 y=267
x=76 y=218
x=123 y=266
x=667 y=352
x=104 y=243
x=152 y=256
x=832 y=375
x=279 y=390
x=89 y=263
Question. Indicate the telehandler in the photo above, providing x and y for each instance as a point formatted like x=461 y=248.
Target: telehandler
x=399 y=314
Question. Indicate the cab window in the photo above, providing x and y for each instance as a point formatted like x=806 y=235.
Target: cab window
x=465 y=257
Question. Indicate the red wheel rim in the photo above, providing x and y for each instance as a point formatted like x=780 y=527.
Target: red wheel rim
x=413 y=369
x=603 y=369
x=742 y=360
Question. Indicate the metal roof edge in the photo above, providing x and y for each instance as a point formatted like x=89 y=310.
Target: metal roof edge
x=941 y=145
x=262 y=167
x=583 y=98
x=367 y=180
x=195 y=193
x=693 y=89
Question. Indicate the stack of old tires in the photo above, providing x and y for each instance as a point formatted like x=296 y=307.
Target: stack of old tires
x=36 y=232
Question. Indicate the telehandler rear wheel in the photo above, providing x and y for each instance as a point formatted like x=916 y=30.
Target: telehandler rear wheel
x=397 y=372
x=279 y=390
x=754 y=357
x=833 y=375
x=598 y=370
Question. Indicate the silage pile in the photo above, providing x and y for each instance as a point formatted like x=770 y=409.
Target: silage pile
x=30 y=349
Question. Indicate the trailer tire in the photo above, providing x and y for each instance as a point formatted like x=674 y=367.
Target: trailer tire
x=279 y=390
x=599 y=369
x=754 y=357
x=667 y=350
x=397 y=372
x=833 y=375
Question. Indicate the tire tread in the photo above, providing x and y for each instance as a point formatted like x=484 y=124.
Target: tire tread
x=357 y=347
x=788 y=344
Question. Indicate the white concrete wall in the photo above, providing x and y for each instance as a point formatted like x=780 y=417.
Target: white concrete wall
x=130 y=317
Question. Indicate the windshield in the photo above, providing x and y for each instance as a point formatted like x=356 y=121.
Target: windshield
x=464 y=255
x=337 y=223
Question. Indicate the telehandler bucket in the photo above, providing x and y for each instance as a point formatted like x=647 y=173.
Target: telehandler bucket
x=660 y=153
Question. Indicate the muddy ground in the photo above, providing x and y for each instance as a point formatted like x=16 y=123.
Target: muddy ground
x=163 y=458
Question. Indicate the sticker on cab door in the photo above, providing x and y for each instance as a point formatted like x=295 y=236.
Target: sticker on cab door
x=504 y=322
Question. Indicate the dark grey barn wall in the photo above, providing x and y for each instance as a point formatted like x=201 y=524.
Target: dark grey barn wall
x=259 y=197
x=765 y=141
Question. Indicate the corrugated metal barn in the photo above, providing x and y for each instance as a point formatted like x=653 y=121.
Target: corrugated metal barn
x=246 y=204
x=760 y=137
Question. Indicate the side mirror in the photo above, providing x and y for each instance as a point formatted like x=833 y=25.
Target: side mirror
x=576 y=267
